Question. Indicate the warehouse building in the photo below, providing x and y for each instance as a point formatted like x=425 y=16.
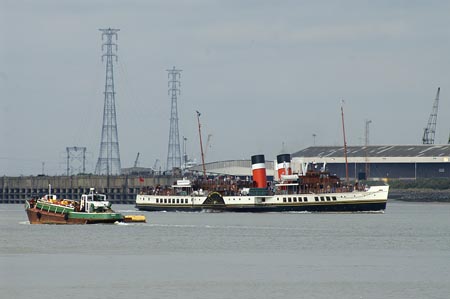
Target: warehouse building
x=380 y=162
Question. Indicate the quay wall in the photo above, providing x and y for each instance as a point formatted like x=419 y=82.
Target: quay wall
x=121 y=189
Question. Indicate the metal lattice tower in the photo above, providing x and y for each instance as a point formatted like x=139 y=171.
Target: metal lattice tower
x=76 y=160
x=430 y=130
x=174 y=152
x=108 y=162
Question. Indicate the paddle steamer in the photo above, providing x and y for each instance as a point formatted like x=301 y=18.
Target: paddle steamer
x=308 y=190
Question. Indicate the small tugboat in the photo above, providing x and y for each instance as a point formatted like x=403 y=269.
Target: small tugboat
x=91 y=209
x=308 y=190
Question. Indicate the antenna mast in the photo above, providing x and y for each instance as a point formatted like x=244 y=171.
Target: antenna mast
x=185 y=157
x=430 y=130
x=366 y=143
x=174 y=153
x=109 y=157
x=345 y=142
x=201 y=144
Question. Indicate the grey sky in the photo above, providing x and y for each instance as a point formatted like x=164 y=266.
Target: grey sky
x=261 y=72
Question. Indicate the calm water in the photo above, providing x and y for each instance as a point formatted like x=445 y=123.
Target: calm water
x=403 y=253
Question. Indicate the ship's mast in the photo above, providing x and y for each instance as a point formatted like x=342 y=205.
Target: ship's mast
x=201 y=144
x=345 y=142
x=366 y=144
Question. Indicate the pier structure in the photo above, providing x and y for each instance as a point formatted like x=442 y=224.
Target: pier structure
x=121 y=189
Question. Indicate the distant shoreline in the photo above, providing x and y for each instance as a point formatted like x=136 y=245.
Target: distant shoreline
x=420 y=195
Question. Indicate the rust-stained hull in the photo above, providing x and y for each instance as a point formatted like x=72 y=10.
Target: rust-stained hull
x=38 y=216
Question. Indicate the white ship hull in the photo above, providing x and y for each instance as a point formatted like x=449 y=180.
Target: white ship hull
x=373 y=199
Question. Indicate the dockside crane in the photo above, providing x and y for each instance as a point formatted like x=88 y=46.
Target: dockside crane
x=430 y=130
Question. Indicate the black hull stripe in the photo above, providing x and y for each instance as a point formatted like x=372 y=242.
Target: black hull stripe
x=335 y=207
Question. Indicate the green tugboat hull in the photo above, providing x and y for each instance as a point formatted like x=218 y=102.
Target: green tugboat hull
x=38 y=216
x=44 y=213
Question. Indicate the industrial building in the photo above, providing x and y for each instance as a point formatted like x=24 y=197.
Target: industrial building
x=380 y=162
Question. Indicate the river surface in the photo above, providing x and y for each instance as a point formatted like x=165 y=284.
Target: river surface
x=402 y=253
